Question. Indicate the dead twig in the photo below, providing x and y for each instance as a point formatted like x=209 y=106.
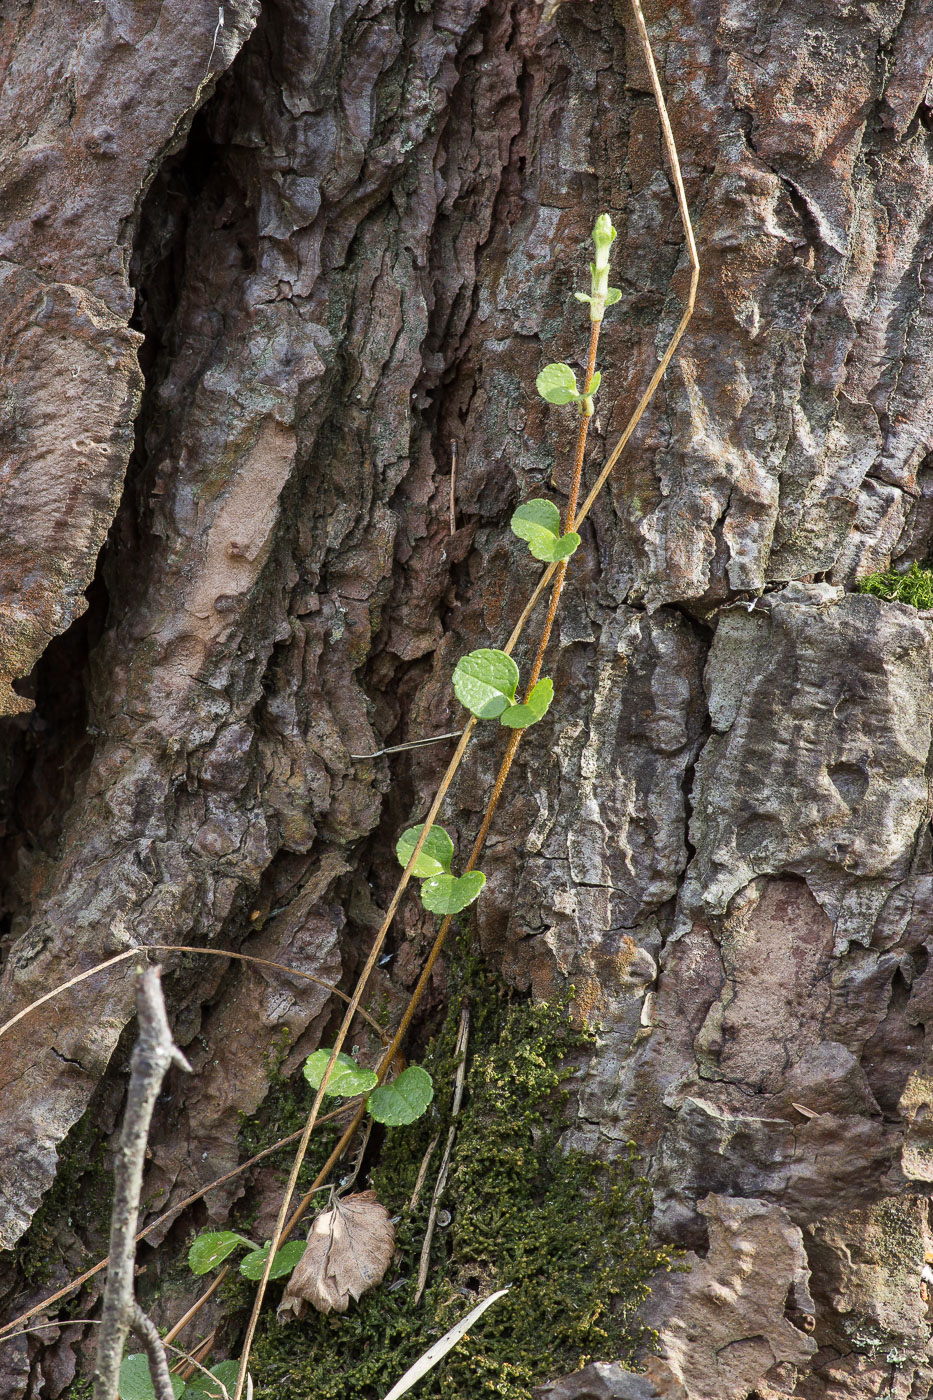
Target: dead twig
x=185 y=948
x=148 y=1334
x=453 y=486
x=463 y=1035
x=422 y=1172
x=412 y=744
x=153 y=1053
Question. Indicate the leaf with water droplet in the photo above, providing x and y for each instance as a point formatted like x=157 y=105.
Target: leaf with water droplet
x=212 y=1248
x=557 y=384
x=445 y=894
x=435 y=855
x=347 y=1078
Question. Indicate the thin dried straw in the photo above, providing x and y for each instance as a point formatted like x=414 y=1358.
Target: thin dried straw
x=467 y=733
x=424 y=1264
x=143 y=948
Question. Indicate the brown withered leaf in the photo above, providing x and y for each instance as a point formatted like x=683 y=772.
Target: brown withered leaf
x=349 y=1249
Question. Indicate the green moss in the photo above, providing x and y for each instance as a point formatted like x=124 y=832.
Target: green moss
x=80 y=1390
x=283 y=1111
x=914 y=587
x=77 y=1205
x=569 y=1234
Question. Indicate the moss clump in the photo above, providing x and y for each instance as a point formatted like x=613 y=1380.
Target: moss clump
x=569 y=1234
x=914 y=587
x=80 y=1390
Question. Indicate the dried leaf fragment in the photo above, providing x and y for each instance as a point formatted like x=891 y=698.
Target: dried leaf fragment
x=349 y=1249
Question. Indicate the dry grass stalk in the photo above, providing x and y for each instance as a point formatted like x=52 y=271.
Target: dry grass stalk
x=463 y=1036
x=184 y=948
x=600 y=482
x=423 y=1172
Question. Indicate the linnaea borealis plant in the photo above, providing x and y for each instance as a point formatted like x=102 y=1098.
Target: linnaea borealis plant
x=486 y=681
x=600 y=294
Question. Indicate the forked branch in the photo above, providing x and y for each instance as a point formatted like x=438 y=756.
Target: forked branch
x=153 y=1053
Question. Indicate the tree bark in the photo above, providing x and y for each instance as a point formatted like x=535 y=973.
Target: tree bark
x=340 y=237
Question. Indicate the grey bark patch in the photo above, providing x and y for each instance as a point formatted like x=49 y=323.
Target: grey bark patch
x=820 y=767
x=600 y=1380
x=723 y=1324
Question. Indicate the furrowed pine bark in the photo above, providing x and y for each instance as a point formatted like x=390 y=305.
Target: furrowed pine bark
x=260 y=266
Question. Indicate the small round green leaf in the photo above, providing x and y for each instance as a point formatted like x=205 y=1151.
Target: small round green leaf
x=535 y=708
x=485 y=682
x=212 y=1248
x=252 y=1264
x=594 y=384
x=404 y=1100
x=565 y=546
x=135 y=1382
x=538 y=524
x=613 y=295
x=540 y=514
x=347 y=1077
x=436 y=853
x=445 y=894
x=201 y=1387
x=557 y=384
x=539 y=700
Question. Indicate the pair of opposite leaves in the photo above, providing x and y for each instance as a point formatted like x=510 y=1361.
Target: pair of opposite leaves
x=485 y=682
x=537 y=522
x=395 y=1104
x=441 y=892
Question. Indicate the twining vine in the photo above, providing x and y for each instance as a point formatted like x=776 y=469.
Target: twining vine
x=486 y=682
